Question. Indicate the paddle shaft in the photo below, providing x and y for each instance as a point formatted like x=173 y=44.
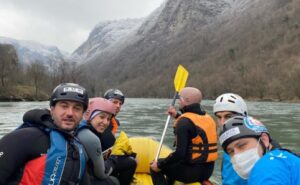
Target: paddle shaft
x=165 y=129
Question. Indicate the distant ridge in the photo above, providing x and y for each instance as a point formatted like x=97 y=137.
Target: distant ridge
x=29 y=52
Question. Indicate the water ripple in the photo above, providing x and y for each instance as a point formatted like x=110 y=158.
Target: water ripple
x=147 y=117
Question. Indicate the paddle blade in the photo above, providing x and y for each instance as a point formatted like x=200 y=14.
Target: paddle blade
x=180 y=78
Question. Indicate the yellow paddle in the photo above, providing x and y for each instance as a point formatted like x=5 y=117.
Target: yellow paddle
x=179 y=83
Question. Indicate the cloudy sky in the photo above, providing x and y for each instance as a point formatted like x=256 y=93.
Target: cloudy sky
x=65 y=23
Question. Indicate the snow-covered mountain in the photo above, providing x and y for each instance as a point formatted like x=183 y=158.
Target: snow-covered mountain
x=29 y=52
x=173 y=23
x=104 y=35
x=208 y=36
x=223 y=44
x=173 y=17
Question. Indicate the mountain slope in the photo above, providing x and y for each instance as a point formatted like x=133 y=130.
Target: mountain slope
x=144 y=49
x=29 y=52
x=247 y=46
x=104 y=35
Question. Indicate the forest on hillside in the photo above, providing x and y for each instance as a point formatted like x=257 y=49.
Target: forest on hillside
x=34 y=82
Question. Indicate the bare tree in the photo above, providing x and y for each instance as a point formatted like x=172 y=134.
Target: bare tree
x=74 y=73
x=294 y=83
x=37 y=73
x=8 y=61
x=63 y=71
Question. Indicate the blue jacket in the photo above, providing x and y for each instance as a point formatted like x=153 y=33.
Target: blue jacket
x=278 y=167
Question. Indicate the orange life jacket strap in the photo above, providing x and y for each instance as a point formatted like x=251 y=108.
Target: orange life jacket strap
x=114 y=124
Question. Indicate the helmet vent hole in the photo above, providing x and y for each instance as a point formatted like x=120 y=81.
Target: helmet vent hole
x=237 y=124
x=233 y=97
x=221 y=99
x=231 y=101
x=63 y=93
x=80 y=95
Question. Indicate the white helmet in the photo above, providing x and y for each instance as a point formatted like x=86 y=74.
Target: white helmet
x=230 y=102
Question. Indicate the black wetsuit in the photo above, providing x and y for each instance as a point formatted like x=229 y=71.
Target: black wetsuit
x=25 y=144
x=177 y=166
x=107 y=139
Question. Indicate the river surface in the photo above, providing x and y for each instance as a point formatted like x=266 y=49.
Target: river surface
x=147 y=117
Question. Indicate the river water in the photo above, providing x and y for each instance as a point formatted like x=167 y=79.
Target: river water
x=146 y=117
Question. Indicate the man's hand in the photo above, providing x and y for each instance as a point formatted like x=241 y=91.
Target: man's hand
x=106 y=153
x=154 y=167
x=172 y=111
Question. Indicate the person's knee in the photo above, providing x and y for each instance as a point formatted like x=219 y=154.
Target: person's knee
x=132 y=163
x=114 y=180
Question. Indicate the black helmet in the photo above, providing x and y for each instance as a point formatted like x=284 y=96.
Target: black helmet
x=114 y=93
x=70 y=91
x=240 y=127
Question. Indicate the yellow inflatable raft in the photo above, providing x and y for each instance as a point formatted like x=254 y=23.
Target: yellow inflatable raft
x=146 y=149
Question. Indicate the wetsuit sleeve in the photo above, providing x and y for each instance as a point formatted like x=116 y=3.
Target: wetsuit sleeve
x=183 y=132
x=19 y=147
x=93 y=149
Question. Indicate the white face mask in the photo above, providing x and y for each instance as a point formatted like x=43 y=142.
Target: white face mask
x=243 y=162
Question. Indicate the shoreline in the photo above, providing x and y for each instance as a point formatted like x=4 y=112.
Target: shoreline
x=18 y=99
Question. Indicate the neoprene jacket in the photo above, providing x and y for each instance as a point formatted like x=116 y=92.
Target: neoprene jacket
x=93 y=149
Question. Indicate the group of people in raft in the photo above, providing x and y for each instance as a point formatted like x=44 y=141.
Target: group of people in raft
x=68 y=143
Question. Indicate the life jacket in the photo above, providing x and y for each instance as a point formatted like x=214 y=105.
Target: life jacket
x=48 y=169
x=203 y=147
x=114 y=125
